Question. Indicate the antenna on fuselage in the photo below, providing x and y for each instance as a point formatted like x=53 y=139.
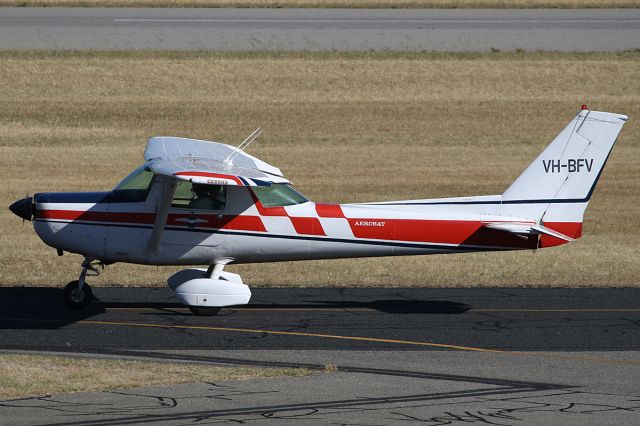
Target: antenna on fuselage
x=240 y=148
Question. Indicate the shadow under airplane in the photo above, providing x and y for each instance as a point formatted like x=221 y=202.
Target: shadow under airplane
x=43 y=308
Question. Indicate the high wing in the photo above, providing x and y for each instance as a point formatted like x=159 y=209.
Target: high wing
x=203 y=162
x=207 y=162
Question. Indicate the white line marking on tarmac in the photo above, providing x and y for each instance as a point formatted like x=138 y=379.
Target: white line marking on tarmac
x=384 y=21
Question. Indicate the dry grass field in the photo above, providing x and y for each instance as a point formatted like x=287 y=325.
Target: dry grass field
x=395 y=4
x=343 y=127
x=33 y=375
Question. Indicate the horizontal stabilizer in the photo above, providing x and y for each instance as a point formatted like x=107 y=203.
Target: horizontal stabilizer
x=525 y=228
x=544 y=230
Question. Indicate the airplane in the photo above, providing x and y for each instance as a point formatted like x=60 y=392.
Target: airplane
x=196 y=202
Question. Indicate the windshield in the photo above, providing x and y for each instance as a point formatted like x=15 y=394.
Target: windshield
x=278 y=194
x=136 y=186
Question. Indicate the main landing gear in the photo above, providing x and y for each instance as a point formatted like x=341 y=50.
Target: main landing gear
x=207 y=311
x=78 y=294
x=204 y=311
x=205 y=291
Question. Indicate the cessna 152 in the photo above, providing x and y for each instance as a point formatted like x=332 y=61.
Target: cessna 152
x=205 y=203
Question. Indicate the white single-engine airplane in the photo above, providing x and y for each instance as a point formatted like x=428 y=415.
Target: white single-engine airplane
x=205 y=203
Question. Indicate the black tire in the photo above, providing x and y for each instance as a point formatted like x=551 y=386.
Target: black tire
x=77 y=299
x=204 y=311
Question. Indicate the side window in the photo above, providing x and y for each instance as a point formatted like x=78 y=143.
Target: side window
x=182 y=196
x=199 y=197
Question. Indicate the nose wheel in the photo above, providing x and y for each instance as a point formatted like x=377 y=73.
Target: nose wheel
x=77 y=294
x=77 y=297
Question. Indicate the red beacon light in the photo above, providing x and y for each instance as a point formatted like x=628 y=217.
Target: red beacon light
x=584 y=107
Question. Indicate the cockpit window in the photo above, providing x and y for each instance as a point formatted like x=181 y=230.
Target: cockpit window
x=278 y=194
x=199 y=197
x=136 y=186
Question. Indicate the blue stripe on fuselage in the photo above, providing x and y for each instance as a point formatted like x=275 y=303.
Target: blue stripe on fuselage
x=87 y=197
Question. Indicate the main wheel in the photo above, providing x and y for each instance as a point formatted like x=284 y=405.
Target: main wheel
x=204 y=311
x=76 y=298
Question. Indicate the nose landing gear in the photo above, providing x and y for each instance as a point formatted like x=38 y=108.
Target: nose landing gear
x=77 y=294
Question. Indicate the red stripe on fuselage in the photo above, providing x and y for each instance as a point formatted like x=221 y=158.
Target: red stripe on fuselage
x=243 y=223
x=435 y=231
x=403 y=230
x=271 y=211
x=307 y=226
x=465 y=232
x=329 y=210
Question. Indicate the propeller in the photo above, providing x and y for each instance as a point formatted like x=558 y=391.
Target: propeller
x=26 y=195
x=24 y=208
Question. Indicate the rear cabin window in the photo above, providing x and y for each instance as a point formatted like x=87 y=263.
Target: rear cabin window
x=277 y=195
x=135 y=187
x=199 y=197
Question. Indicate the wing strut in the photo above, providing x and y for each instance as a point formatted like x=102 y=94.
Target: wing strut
x=168 y=189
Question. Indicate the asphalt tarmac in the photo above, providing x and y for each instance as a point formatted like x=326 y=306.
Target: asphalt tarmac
x=318 y=29
x=368 y=388
x=330 y=319
x=398 y=355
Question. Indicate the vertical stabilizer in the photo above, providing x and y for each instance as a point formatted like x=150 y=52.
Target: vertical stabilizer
x=556 y=188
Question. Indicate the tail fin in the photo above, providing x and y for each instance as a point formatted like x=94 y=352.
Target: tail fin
x=556 y=188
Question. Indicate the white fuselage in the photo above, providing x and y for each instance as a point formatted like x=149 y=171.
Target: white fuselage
x=102 y=227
